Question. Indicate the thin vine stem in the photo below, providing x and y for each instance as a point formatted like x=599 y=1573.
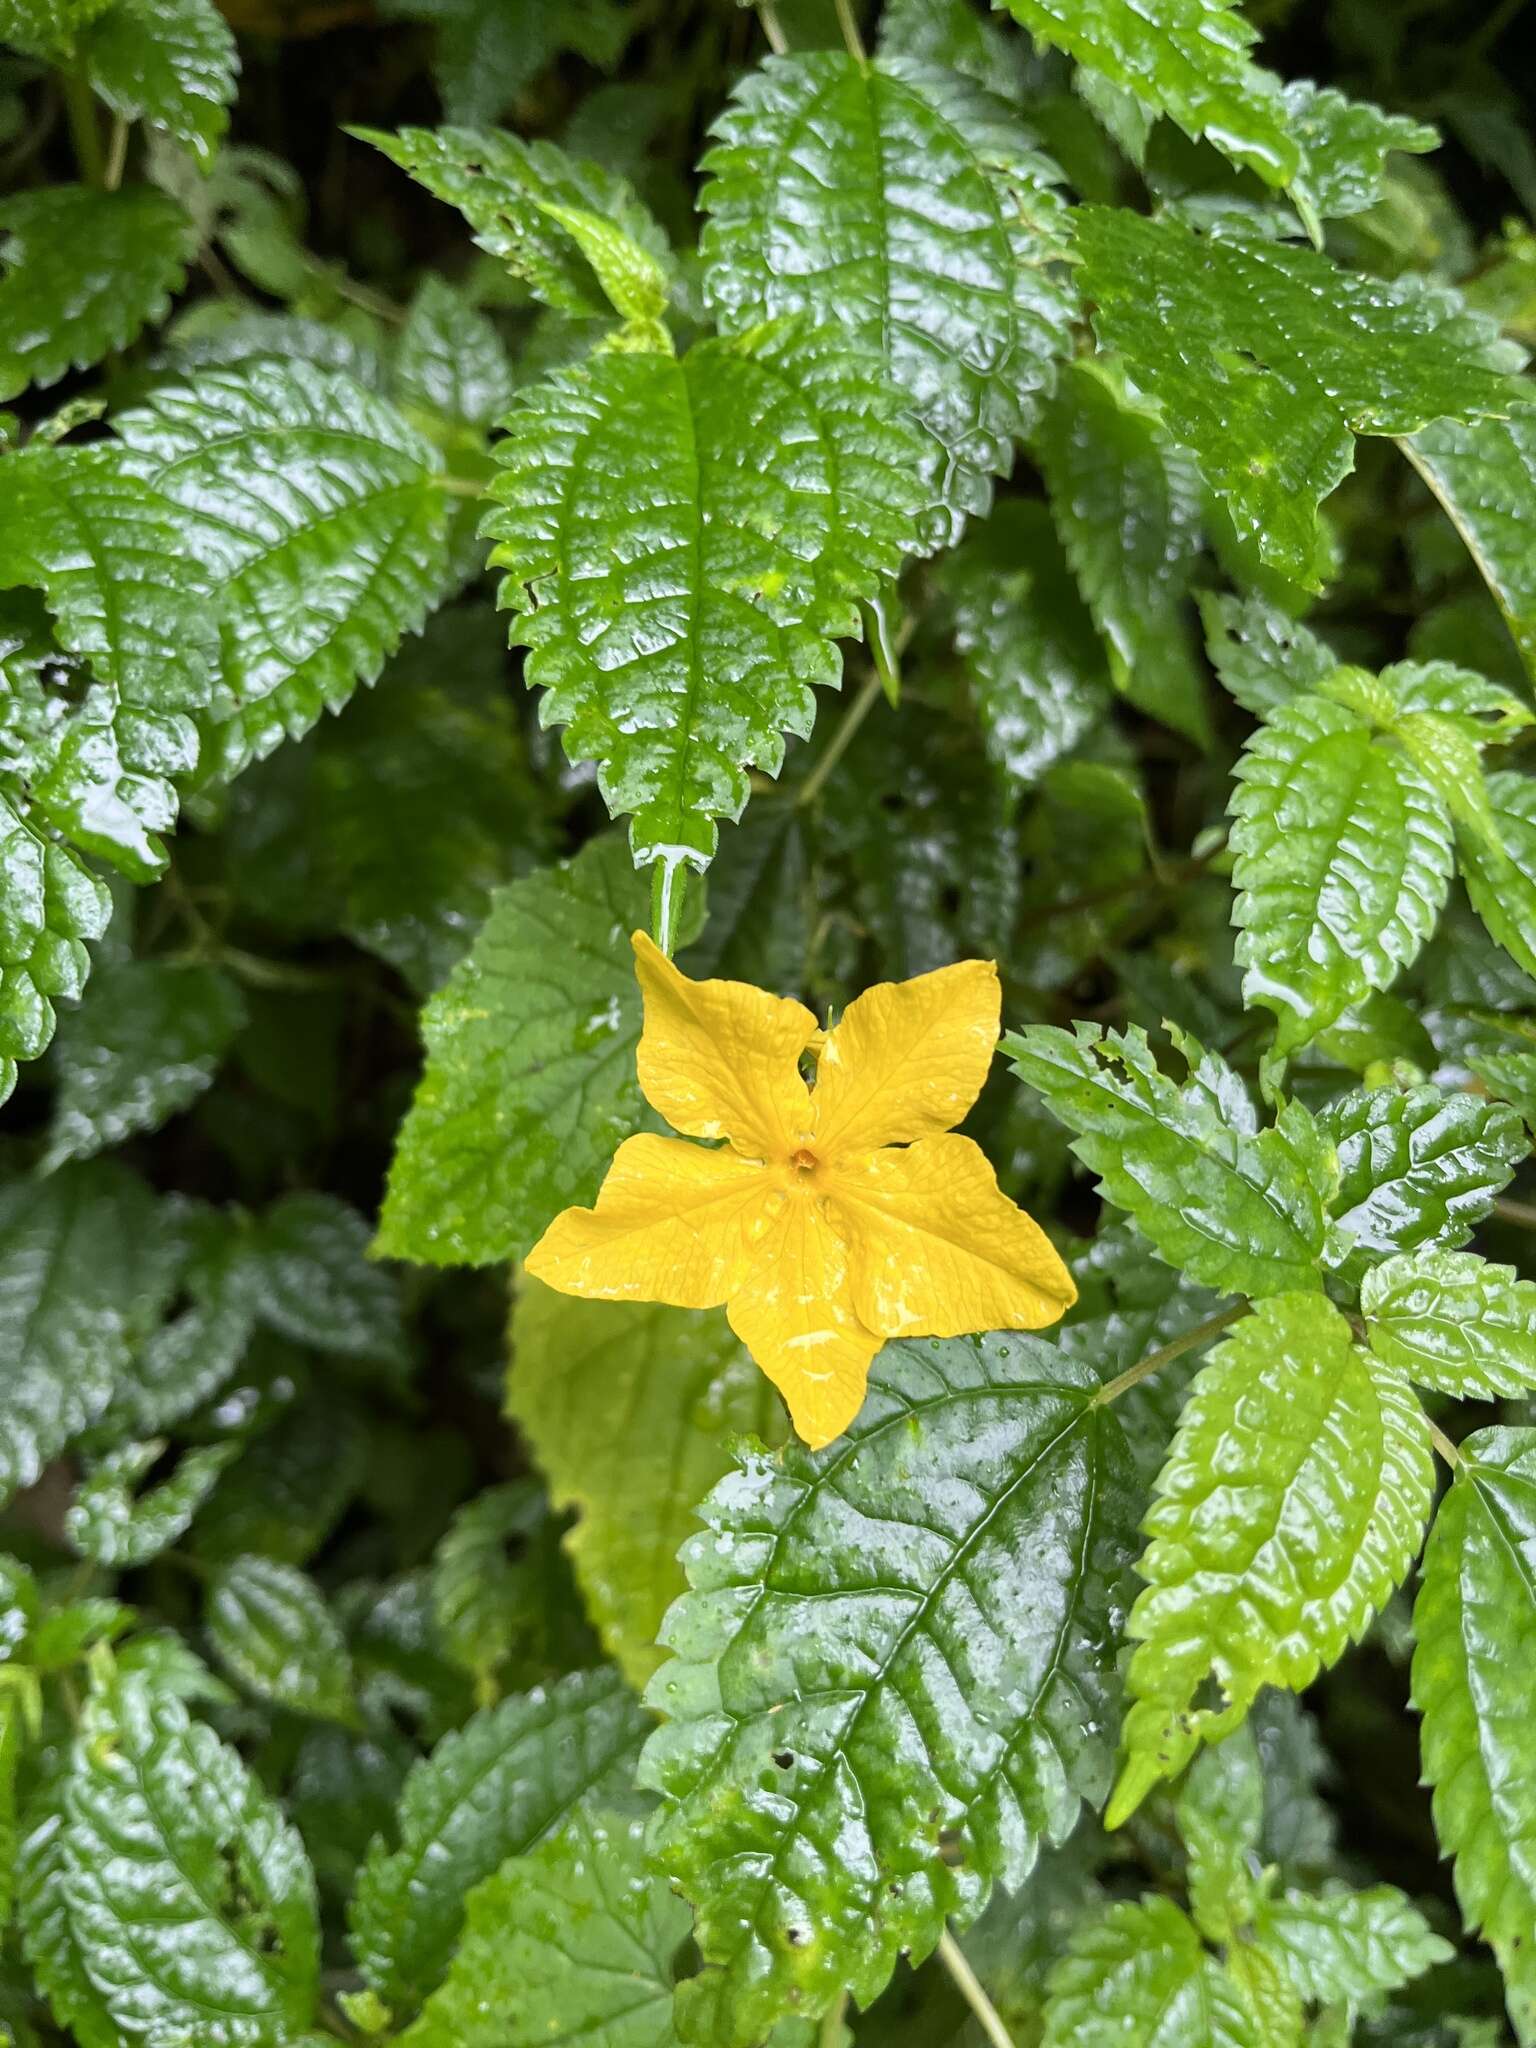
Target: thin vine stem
x=1154 y=1360
x=80 y=108
x=840 y=741
x=1523 y=1213
x=773 y=28
x=1444 y=1446
x=968 y=1984
x=850 y=29
x=117 y=155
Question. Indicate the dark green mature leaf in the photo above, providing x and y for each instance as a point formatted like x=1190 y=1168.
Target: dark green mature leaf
x=681 y=623
x=893 y=1675
x=49 y=906
x=47 y=28
x=1502 y=884
x=574 y=1942
x=109 y=1523
x=188 y=1893
x=1237 y=1208
x=903 y=203
x=169 y=62
x=312 y=1280
x=1341 y=1947
x=1139 y=1973
x=1475 y=1624
x=1127 y=508
x=86 y=271
x=1452 y=1321
x=187 y=1359
x=1264 y=658
x=146 y=1041
x=50 y=1944
x=1344 y=145
x=1484 y=473
x=314 y=512
x=956 y=35
x=1281 y=360
x=491 y=1790
x=12 y=1735
x=1292 y=1503
x=288 y=1491
x=272 y=1631
x=485 y=52
x=479 y=1594
x=1343 y=860
x=530 y=1080
x=629 y=1409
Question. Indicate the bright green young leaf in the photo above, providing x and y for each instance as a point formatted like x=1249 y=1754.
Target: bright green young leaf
x=892 y=1678
x=1452 y=1321
x=48 y=28
x=630 y=1409
x=491 y=1790
x=112 y=1524
x=1475 y=1626
x=1281 y=360
x=634 y=280
x=1483 y=472
x=145 y=1042
x=1343 y=860
x=1220 y=1815
x=1291 y=1505
x=314 y=512
x=899 y=201
x=1341 y=1947
x=188 y=1893
x=312 y=1280
x=1140 y=1974
x=1127 y=508
x=85 y=272
x=272 y=1631
x=49 y=906
x=1236 y=1208
x=49 y=1940
x=1344 y=146
x=169 y=62
x=680 y=625
x=574 y=1942
x=1502 y=884
x=1264 y=659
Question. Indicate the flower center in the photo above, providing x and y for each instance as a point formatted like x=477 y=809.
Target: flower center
x=803 y=1161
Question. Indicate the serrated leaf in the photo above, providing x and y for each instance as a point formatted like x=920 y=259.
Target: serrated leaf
x=955 y=34
x=1236 y=1208
x=1263 y=657
x=491 y=1790
x=169 y=62
x=1343 y=860
x=898 y=200
x=1343 y=1947
x=146 y=1041
x=188 y=1358
x=48 y=1939
x=1139 y=1973
x=86 y=272
x=892 y=1677
x=108 y=1522
x=1484 y=472
x=485 y=52
x=629 y=1409
x=1418 y=1168
x=573 y=1942
x=529 y=1082
x=189 y=1895
x=1292 y=1503
x=49 y=906
x=272 y=1631
x=1452 y=1321
x=47 y=28
x=1220 y=1815
x=1282 y=359
x=311 y=1279
x=1127 y=508
x=476 y=1590
x=1502 y=884
x=1344 y=145
x=680 y=625
x=450 y=359
x=1475 y=1625
x=313 y=511
x=288 y=1491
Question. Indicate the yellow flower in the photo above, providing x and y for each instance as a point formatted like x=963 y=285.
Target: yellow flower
x=833 y=1217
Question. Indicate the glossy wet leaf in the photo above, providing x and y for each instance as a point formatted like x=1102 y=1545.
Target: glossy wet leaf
x=1140 y=1973
x=479 y=1590
x=112 y=1523
x=1502 y=884
x=1343 y=1947
x=1483 y=473
x=897 y=200
x=1453 y=1321
x=1345 y=144
x=955 y=34
x=48 y=1938
x=892 y=1677
x=1220 y=1815
x=491 y=1790
x=450 y=358
x=169 y=62
x=271 y=1629
x=49 y=906
x=680 y=628
x=312 y=1280
x=1264 y=658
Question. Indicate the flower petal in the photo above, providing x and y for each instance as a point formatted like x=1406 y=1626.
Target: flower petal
x=907 y=1059
x=673 y=1223
x=936 y=1249
x=796 y=1319
x=721 y=1059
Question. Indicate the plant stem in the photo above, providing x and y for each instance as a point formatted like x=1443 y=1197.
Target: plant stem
x=968 y=1984
x=838 y=745
x=850 y=29
x=86 y=136
x=117 y=155
x=773 y=28
x=1523 y=1213
x=1495 y=25
x=1444 y=1446
x=1113 y=1389
x=830 y=2034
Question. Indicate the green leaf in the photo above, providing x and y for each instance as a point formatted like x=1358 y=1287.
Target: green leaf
x=272 y=1631
x=1264 y=658
x=635 y=282
x=573 y=1942
x=629 y=1409
x=1344 y=145
x=188 y=1893
x=49 y=906
x=1484 y=473
x=288 y=1491
x=1220 y=1814
x=529 y=1082
x=86 y=271
x=1236 y=1208
x=49 y=1941
x=952 y=33
x=485 y=52
x=1138 y=1973
x=47 y=28
x=109 y=1523
x=1281 y=360
x=187 y=1359
x=146 y=1041
x=312 y=1280
x=491 y=1790
x=1292 y=1503
x=12 y=1738
x=1343 y=860
x=898 y=200
x=450 y=359
x=314 y=512
x=1475 y=1625
x=1127 y=508
x=1419 y=1168
x=1454 y=1322
x=477 y=1590
x=1502 y=885
x=1343 y=1947
x=680 y=625
x=892 y=1677
x=169 y=62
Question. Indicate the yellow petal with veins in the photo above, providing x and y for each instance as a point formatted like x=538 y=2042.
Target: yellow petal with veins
x=936 y=1249
x=720 y=1059
x=796 y=1319
x=673 y=1223
x=907 y=1059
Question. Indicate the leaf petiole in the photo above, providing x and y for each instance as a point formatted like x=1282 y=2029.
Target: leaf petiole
x=1113 y=1389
